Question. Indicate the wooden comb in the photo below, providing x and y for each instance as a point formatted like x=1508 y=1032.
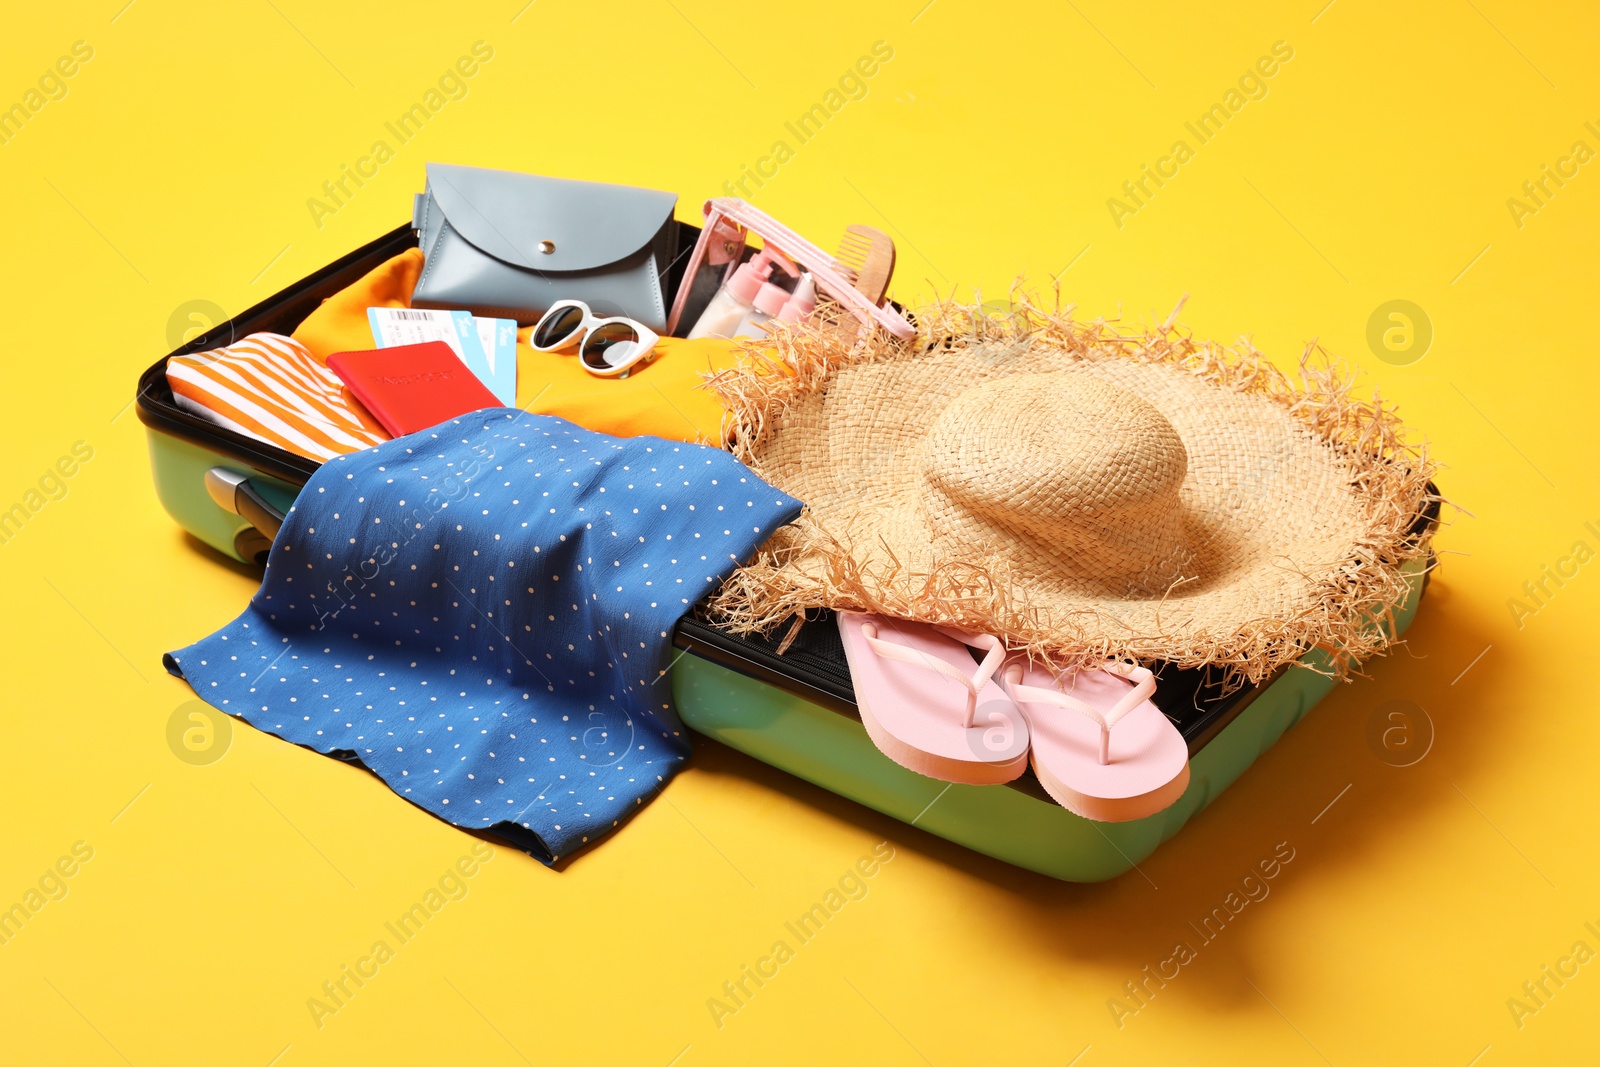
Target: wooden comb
x=866 y=258
x=866 y=255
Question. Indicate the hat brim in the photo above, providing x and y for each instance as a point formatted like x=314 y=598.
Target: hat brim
x=1299 y=501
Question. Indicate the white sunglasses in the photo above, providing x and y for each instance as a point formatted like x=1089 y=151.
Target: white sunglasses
x=608 y=347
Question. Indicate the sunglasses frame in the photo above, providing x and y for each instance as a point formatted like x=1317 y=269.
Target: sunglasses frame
x=646 y=351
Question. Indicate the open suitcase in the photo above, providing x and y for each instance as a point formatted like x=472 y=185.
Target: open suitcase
x=795 y=711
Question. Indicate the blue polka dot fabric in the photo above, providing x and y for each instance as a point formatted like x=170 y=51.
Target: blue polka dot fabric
x=482 y=614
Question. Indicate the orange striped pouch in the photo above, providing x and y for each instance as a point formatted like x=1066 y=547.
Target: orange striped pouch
x=272 y=388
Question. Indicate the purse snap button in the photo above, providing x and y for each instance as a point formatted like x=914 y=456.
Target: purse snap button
x=547 y=247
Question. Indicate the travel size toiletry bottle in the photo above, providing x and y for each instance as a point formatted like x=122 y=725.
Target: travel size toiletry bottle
x=802 y=302
x=769 y=300
x=727 y=310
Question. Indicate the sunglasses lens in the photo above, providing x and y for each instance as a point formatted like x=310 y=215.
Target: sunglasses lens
x=610 y=345
x=557 y=327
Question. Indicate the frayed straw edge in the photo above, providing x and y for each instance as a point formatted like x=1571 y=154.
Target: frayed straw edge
x=1349 y=620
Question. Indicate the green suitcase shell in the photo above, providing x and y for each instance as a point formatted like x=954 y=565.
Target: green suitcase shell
x=794 y=711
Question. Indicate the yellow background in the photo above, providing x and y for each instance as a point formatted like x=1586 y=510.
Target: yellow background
x=220 y=898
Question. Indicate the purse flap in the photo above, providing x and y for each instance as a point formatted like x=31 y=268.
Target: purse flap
x=516 y=217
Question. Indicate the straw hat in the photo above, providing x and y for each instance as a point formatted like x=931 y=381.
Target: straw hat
x=1077 y=492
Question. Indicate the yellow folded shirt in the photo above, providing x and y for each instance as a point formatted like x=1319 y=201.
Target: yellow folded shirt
x=664 y=398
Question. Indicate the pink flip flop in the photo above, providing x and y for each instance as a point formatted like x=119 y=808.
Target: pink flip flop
x=1099 y=746
x=928 y=706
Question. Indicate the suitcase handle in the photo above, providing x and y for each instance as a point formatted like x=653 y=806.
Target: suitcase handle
x=234 y=494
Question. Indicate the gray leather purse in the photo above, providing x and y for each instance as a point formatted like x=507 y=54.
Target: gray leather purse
x=509 y=245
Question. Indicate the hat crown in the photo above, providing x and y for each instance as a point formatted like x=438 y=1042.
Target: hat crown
x=1089 y=472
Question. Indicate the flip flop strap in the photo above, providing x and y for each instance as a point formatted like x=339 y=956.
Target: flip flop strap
x=1144 y=686
x=1032 y=694
x=916 y=657
x=994 y=652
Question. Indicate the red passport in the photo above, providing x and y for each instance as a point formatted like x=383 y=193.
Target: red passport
x=412 y=387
